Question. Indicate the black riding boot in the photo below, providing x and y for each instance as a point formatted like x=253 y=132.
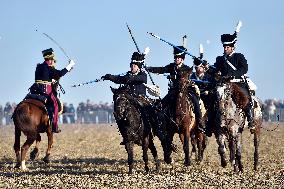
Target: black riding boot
x=209 y=127
x=249 y=115
x=54 y=127
x=198 y=114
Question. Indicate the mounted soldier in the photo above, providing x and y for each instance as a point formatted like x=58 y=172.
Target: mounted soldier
x=46 y=79
x=131 y=110
x=175 y=70
x=233 y=66
x=134 y=80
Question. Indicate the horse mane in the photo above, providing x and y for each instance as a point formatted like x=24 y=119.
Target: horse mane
x=239 y=96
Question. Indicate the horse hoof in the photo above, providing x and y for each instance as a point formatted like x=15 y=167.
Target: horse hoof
x=34 y=154
x=168 y=160
x=17 y=166
x=147 y=169
x=187 y=164
x=223 y=163
x=158 y=166
x=46 y=159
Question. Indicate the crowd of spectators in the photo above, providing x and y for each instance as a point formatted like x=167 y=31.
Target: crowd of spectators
x=84 y=113
x=273 y=110
x=94 y=113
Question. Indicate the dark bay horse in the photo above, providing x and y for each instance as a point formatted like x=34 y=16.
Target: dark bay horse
x=133 y=126
x=230 y=121
x=31 y=118
x=181 y=109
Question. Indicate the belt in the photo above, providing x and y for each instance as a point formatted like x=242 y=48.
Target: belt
x=42 y=82
x=236 y=80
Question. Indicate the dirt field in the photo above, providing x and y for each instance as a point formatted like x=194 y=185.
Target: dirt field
x=89 y=156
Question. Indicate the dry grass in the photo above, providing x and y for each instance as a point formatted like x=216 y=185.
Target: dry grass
x=89 y=156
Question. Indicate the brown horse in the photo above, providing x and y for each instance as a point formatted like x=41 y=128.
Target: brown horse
x=230 y=121
x=31 y=118
x=134 y=126
x=184 y=122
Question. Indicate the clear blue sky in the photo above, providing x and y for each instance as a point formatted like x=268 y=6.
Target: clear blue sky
x=95 y=35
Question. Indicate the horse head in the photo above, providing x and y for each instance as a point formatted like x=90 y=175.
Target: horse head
x=183 y=80
x=121 y=102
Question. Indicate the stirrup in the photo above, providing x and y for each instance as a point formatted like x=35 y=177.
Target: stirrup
x=56 y=130
x=251 y=127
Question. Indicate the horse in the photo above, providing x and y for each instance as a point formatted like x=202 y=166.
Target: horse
x=133 y=126
x=230 y=121
x=31 y=118
x=181 y=119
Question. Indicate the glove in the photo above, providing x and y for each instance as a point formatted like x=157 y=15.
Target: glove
x=70 y=65
x=149 y=69
x=109 y=77
x=106 y=77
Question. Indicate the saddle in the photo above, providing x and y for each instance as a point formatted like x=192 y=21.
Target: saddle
x=44 y=103
x=39 y=97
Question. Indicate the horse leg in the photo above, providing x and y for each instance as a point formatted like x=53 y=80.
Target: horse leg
x=129 y=149
x=193 y=144
x=168 y=149
x=49 y=146
x=35 y=152
x=201 y=144
x=239 y=152
x=222 y=149
x=30 y=140
x=232 y=148
x=185 y=140
x=154 y=153
x=17 y=146
x=256 y=140
x=145 y=146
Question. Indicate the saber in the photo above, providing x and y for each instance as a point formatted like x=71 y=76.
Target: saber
x=85 y=83
x=45 y=34
x=146 y=52
x=133 y=39
x=172 y=45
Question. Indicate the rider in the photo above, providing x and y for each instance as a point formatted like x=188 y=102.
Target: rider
x=45 y=75
x=134 y=79
x=202 y=79
x=175 y=69
x=234 y=65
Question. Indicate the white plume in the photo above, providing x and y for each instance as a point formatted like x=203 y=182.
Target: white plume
x=201 y=49
x=184 y=41
x=146 y=51
x=238 y=27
